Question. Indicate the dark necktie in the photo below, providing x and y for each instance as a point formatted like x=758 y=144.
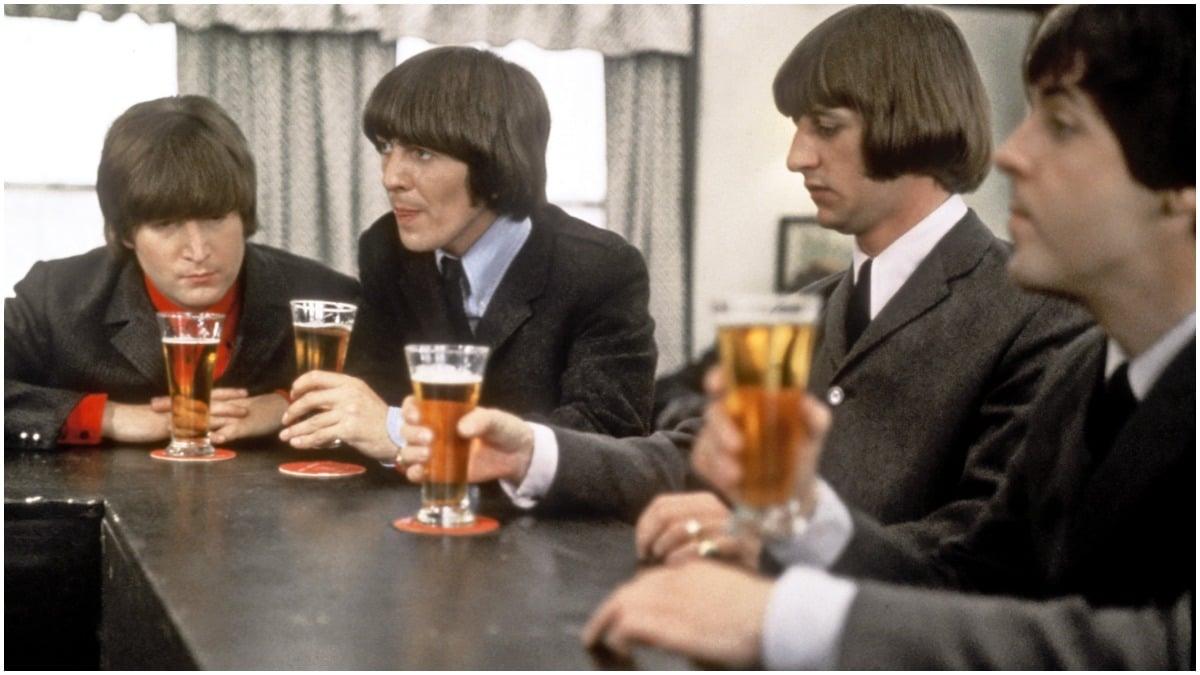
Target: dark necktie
x=453 y=282
x=1115 y=405
x=858 y=312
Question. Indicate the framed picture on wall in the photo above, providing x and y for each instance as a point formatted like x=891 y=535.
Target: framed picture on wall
x=806 y=252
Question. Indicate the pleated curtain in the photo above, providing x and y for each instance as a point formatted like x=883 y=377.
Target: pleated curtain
x=296 y=77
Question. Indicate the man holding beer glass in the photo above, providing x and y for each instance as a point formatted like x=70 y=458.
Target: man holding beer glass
x=928 y=398
x=1085 y=558
x=83 y=354
x=472 y=253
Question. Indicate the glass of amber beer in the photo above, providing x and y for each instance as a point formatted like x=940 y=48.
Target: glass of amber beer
x=190 y=348
x=446 y=380
x=765 y=344
x=321 y=329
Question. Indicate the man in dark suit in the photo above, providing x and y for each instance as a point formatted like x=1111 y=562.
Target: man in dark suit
x=83 y=357
x=473 y=253
x=1085 y=558
x=928 y=399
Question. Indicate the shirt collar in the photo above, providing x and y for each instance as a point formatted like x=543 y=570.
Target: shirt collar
x=163 y=304
x=485 y=263
x=1145 y=369
x=895 y=264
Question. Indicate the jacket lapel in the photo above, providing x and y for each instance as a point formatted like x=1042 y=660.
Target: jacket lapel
x=265 y=293
x=132 y=322
x=956 y=255
x=524 y=281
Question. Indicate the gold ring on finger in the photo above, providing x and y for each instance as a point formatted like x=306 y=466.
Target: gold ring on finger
x=709 y=549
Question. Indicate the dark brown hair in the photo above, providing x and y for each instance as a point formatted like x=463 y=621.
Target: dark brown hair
x=173 y=158
x=1139 y=66
x=908 y=72
x=476 y=107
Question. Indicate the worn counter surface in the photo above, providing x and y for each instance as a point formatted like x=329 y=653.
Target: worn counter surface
x=233 y=565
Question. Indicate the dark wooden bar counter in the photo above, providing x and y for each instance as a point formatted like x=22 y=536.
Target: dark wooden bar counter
x=233 y=565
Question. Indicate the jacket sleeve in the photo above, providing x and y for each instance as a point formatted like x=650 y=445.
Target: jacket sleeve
x=34 y=410
x=600 y=474
x=901 y=628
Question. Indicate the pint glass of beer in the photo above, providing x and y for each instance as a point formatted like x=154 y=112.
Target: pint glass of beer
x=765 y=344
x=190 y=348
x=321 y=329
x=322 y=333
x=446 y=380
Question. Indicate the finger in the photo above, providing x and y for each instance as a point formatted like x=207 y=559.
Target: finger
x=714 y=382
x=595 y=633
x=230 y=410
x=415 y=473
x=229 y=394
x=410 y=410
x=160 y=404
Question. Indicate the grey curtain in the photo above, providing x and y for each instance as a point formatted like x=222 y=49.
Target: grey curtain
x=295 y=78
x=299 y=98
x=644 y=106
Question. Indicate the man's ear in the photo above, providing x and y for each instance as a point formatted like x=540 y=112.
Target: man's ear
x=1181 y=201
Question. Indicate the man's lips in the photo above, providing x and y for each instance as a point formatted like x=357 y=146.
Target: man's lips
x=200 y=278
x=405 y=214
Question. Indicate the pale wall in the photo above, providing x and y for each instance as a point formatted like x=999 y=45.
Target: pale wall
x=743 y=186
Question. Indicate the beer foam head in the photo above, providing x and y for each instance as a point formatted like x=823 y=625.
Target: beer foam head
x=441 y=373
x=188 y=340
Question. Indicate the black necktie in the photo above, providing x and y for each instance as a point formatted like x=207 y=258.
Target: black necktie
x=858 y=312
x=453 y=282
x=1114 y=406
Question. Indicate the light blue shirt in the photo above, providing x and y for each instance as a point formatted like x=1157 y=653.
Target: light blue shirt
x=484 y=266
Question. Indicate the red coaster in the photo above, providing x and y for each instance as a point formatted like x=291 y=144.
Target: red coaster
x=219 y=455
x=321 y=469
x=482 y=525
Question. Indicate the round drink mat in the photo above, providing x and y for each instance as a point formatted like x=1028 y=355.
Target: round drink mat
x=482 y=525
x=321 y=469
x=219 y=455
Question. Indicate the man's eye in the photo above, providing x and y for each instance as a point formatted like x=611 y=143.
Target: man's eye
x=423 y=153
x=384 y=147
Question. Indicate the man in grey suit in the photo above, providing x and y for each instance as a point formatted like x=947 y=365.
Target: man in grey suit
x=1085 y=558
x=83 y=359
x=928 y=399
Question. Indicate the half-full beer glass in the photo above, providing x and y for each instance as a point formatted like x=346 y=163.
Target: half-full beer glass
x=765 y=344
x=322 y=333
x=446 y=380
x=190 y=348
x=321 y=329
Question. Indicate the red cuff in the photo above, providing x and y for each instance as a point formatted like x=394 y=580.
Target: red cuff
x=287 y=395
x=85 y=424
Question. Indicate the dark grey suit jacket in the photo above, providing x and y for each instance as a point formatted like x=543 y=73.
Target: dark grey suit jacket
x=927 y=407
x=85 y=324
x=1107 y=542
x=569 y=326
x=933 y=398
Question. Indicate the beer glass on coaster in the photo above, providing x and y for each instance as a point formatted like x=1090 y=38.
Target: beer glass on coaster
x=321 y=330
x=189 y=342
x=765 y=344
x=447 y=380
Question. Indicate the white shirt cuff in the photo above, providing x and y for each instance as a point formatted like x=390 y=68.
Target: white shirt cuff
x=805 y=620
x=822 y=542
x=395 y=427
x=543 y=465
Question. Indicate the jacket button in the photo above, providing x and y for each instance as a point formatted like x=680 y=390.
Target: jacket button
x=835 y=395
